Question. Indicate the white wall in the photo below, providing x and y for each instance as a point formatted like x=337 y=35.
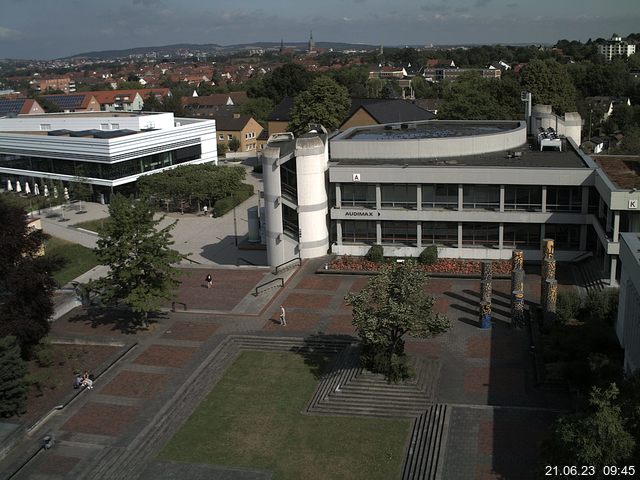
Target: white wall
x=87 y=121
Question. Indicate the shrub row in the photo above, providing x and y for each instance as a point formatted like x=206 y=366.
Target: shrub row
x=225 y=204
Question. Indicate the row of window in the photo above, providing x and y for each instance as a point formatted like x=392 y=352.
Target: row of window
x=107 y=171
x=475 y=197
x=515 y=235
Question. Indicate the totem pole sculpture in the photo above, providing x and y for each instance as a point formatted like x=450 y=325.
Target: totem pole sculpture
x=549 y=285
x=486 y=276
x=517 y=288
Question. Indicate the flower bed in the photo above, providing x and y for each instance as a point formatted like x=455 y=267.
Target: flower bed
x=452 y=266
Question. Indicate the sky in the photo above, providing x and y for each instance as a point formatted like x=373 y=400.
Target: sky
x=45 y=29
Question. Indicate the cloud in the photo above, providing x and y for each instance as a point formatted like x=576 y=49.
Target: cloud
x=511 y=5
x=483 y=3
x=8 y=33
x=442 y=9
x=148 y=3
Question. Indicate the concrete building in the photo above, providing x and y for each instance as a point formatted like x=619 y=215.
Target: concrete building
x=616 y=47
x=475 y=189
x=112 y=150
x=628 y=323
x=242 y=127
x=63 y=84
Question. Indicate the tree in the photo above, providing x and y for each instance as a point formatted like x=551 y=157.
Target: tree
x=234 y=144
x=324 y=102
x=141 y=272
x=354 y=79
x=392 y=305
x=285 y=81
x=26 y=281
x=597 y=437
x=258 y=108
x=13 y=388
x=550 y=84
x=222 y=149
x=390 y=89
x=80 y=186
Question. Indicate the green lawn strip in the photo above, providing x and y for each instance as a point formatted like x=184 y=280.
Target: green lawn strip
x=92 y=225
x=79 y=259
x=253 y=419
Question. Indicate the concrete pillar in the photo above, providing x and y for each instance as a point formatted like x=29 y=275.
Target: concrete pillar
x=378 y=232
x=460 y=197
x=419 y=234
x=338 y=195
x=502 y=198
x=339 y=232
x=486 y=275
x=616 y=226
x=609 y=224
x=614 y=270
x=585 y=200
x=419 y=197
x=544 y=199
x=500 y=236
x=459 y=234
x=583 y=238
x=517 y=308
x=549 y=313
x=273 y=206
x=378 y=196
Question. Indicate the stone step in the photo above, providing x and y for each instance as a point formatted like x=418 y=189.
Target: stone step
x=365 y=410
x=369 y=393
x=426 y=448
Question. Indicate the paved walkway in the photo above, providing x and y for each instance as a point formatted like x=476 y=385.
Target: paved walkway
x=486 y=380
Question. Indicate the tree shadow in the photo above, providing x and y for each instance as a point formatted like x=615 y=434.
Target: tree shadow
x=117 y=319
x=321 y=351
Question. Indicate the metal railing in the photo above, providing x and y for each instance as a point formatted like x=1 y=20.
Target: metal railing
x=257 y=289
x=279 y=268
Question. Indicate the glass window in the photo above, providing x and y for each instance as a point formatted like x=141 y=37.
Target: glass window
x=482 y=197
x=290 y=221
x=522 y=197
x=439 y=196
x=401 y=195
x=564 y=199
x=289 y=179
x=358 y=195
x=439 y=233
x=521 y=235
x=484 y=234
x=356 y=231
x=399 y=232
x=567 y=237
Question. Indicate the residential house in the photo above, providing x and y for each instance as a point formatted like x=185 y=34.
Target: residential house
x=64 y=84
x=606 y=104
x=220 y=104
x=76 y=102
x=19 y=106
x=616 y=47
x=242 y=127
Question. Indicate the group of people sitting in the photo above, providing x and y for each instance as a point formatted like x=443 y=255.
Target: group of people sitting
x=84 y=380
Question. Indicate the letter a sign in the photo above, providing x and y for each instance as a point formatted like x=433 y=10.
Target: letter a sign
x=356 y=177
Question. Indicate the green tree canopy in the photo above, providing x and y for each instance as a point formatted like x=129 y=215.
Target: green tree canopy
x=393 y=304
x=26 y=281
x=141 y=263
x=285 y=81
x=354 y=79
x=324 y=102
x=258 y=108
x=550 y=84
x=234 y=144
x=13 y=388
x=597 y=437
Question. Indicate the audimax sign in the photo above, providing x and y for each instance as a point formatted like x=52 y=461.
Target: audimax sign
x=361 y=213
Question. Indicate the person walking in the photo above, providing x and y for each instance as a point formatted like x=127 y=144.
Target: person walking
x=209 y=280
x=283 y=318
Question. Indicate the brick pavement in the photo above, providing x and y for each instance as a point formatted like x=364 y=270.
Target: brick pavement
x=486 y=368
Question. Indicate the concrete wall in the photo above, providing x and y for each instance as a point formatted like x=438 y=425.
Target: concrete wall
x=570 y=125
x=276 y=251
x=86 y=121
x=628 y=322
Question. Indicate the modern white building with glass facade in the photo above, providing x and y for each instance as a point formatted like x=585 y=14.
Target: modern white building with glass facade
x=110 y=150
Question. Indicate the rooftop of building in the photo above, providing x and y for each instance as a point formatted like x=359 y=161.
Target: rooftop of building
x=622 y=170
x=437 y=129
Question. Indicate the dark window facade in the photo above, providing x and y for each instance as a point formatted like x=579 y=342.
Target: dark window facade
x=523 y=198
x=440 y=233
x=106 y=171
x=521 y=235
x=481 y=234
x=289 y=179
x=481 y=197
x=399 y=196
x=564 y=199
x=567 y=237
x=354 y=231
x=439 y=196
x=290 y=221
x=358 y=195
x=399 y=233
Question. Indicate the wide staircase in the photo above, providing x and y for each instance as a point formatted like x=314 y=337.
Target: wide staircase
x=590 y=274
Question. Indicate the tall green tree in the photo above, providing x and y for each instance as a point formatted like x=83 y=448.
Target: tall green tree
x=354 y=79
x=392 y=305
x=80 y=186
x=234 y=144
x=286 y=81
x=324 y=102
x=13 y=388
x=550 y=84
x=141 y=262
x=26 y=281
x=597 y=437
x=258 y=108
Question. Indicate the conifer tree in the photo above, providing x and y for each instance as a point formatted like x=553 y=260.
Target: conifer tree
x=13 y=388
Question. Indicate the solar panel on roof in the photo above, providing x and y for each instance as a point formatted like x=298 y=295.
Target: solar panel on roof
x=66 y=101
x=10 y=107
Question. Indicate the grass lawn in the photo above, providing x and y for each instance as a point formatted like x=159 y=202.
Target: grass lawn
x=79 y=259
x=253 y=419
x=92 y=225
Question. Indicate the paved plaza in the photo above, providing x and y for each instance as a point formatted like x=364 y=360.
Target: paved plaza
x=496 y=420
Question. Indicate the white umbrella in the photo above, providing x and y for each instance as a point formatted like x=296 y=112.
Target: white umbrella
x=36 y=189
x=27 y=188
x=66 y=193
x=46 y=190
x=9 y=186
x=55 y=192
x=18 y=187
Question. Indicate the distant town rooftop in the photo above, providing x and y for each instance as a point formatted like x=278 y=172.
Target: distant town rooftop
x=623 y=171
